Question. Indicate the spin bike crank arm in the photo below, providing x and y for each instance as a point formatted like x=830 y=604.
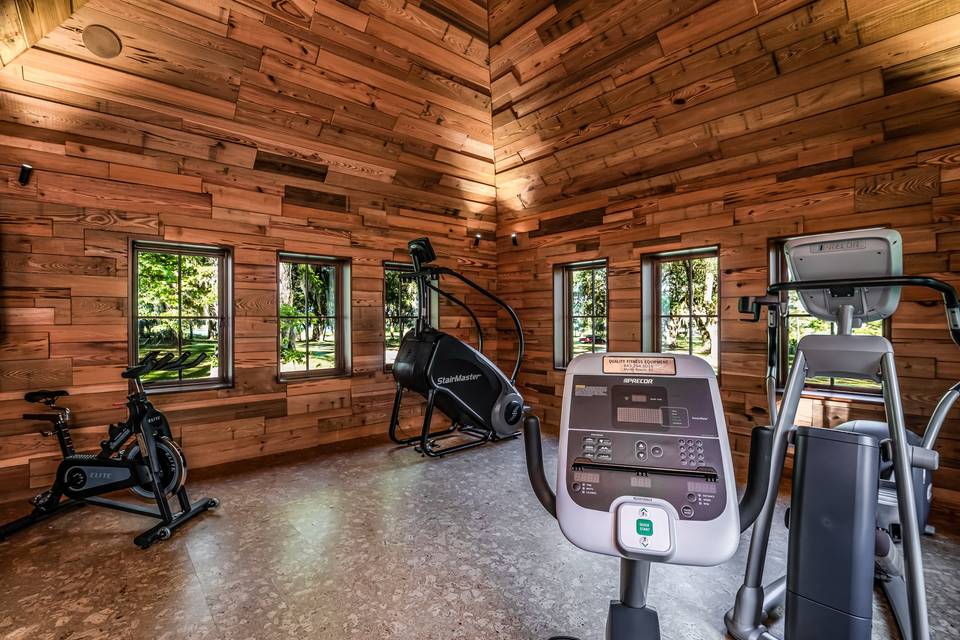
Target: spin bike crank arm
x=706 y=473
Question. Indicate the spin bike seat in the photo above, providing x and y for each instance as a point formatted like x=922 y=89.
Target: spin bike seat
x=44 y=395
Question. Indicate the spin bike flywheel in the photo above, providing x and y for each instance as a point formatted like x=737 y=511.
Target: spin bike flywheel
x=173 y=468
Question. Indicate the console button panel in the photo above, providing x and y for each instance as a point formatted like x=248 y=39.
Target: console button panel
x=645 y=436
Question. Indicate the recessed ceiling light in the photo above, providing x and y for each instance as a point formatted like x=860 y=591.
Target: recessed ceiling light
x=101 y=41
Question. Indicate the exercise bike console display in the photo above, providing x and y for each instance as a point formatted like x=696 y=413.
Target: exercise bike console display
x=645 y=465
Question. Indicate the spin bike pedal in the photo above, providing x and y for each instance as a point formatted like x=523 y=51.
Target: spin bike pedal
x=42 y=500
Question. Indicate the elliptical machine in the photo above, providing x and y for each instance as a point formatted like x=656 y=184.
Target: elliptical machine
x=139 y=454
x=482 y=403
x=854 y=495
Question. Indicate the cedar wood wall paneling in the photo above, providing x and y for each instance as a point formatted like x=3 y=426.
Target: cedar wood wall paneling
x=691 y=123
x=680 y=123
x=312 y=126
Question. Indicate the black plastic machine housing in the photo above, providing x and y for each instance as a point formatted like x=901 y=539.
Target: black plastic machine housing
x=481 y=401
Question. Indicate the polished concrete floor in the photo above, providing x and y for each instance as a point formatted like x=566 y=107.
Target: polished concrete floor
x=371 y=543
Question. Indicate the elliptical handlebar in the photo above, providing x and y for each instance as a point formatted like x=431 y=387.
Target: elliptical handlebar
x=839 y=286
x=762 y=437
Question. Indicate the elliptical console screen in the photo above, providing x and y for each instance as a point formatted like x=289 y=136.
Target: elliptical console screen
x=654 y=436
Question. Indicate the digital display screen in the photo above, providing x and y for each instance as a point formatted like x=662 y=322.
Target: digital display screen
x=702 y=487
x=638 y=398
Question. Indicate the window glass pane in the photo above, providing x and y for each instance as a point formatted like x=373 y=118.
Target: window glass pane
x=294 y=280
x=793 y=303
x=292 y=300
x=674 y=335
x=157 y=334
x=874 y=328
x=705 y=332
x=674 y=291
x=600 y=292
x=599 y=335
x=582 y=336
x=581 y=292
x=705 y=280
x=157 y=288
x=178 y=310
x=323 y=344
x=202 y=336
x=293 y=344
x=393 y=333
x=854 y=384
x=401 y=307
x=199 y=286
x=319 y=289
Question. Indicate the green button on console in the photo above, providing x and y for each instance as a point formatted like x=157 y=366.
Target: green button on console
x=644 y=527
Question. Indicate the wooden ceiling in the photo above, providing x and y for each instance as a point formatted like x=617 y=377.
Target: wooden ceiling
x=24 y=22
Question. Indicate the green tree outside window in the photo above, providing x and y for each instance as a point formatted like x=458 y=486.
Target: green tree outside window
x=688 y=306
x=308 y=331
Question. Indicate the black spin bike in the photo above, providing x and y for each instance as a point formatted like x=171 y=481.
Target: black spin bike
x=139 y=454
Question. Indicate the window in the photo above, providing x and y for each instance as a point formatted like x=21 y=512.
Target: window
x=797 y=323
x=580 y=311
x=401 y=308
x=312 y=316
x=685 y=314
x=180 y=303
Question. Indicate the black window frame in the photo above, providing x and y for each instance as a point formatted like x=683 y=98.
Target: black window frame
x=341 y=318
x=779 y=273
x=225 y=349
x=563 y=309
x=655 y=317
x=404 y=267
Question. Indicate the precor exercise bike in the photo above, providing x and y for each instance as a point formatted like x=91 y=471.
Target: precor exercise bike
x=139 y=454
x=645 y=471
x=860 y=491
x=482 y=403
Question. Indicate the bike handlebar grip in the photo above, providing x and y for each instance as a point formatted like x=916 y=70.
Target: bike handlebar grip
x=150 y=357
x=921 y=458
x=953 y=321
x=758 y=476
x=533 y=448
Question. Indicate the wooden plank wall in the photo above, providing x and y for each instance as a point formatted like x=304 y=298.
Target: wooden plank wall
x=628 y=128
x=315 y=126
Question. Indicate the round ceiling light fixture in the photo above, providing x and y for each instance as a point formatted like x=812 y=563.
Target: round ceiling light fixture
x=101 y=41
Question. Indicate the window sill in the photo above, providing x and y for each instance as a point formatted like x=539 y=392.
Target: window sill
x=844 y=396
